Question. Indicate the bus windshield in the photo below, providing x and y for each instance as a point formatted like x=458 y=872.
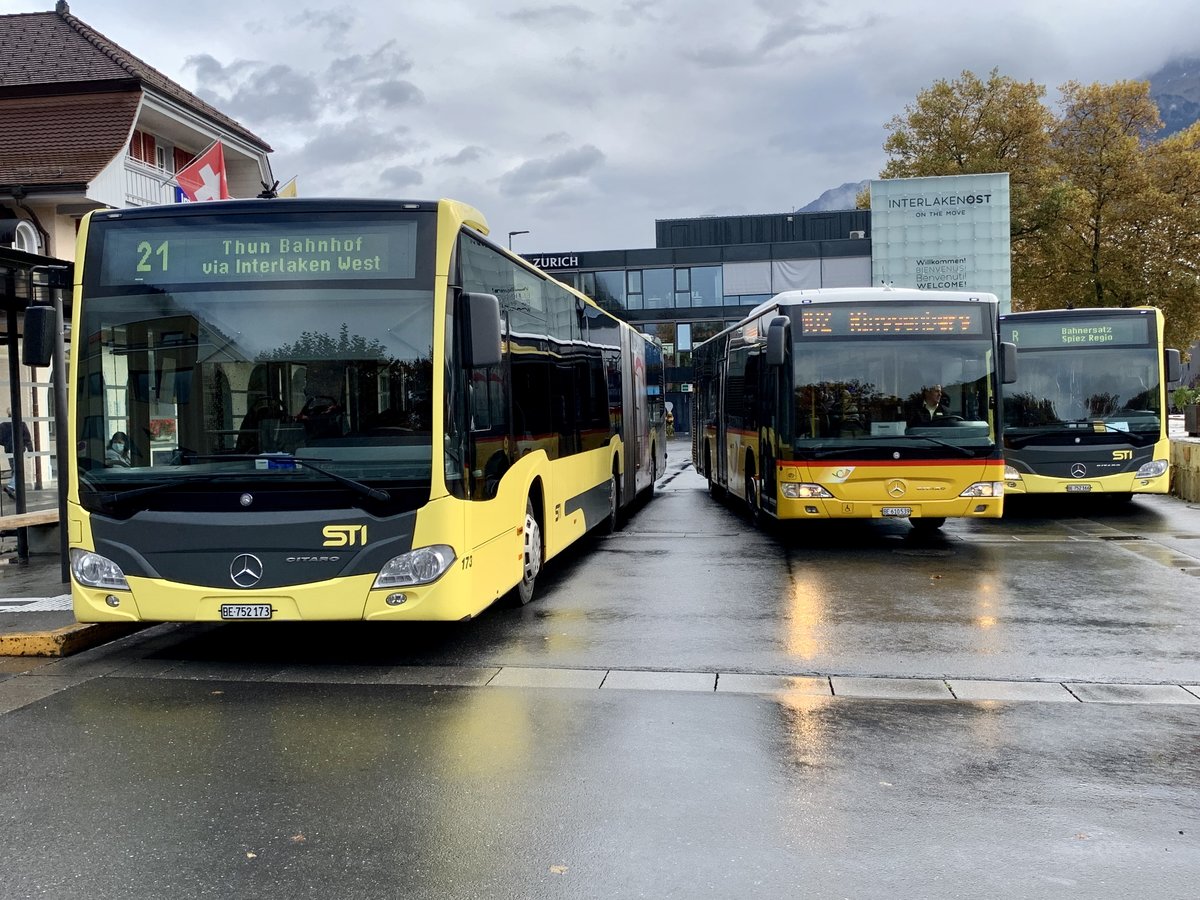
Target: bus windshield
x=1082 y=387
x=850 y=393
x=219 y=350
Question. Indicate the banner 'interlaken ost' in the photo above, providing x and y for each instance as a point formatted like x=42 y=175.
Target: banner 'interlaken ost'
x=204 y=177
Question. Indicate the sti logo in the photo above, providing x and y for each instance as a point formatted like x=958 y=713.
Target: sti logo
x=344 y=535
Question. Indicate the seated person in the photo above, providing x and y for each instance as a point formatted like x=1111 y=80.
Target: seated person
x=929 y=407
x=117 y=451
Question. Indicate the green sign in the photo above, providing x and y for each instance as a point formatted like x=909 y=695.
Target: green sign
x=236 y=251
x=1078 y=331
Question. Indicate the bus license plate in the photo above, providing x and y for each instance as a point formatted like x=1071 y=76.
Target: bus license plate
x=246 y=610
x=901 y=512
x=1078 y=488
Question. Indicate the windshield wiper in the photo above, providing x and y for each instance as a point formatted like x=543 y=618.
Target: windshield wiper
x=357 y=486
x=826 y=453
x=969 y=454
x=111 y=498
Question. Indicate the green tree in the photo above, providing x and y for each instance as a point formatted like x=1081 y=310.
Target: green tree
x=968 y=127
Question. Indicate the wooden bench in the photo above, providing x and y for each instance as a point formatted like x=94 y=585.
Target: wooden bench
x=14 y=521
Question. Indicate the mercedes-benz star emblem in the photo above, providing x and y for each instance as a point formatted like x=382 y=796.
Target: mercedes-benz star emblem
x=246 y=570
x=1078 y=470
x=896 y=488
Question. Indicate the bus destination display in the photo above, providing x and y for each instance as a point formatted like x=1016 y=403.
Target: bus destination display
x=887 y=319
x=1097 y=332
x=203 y=253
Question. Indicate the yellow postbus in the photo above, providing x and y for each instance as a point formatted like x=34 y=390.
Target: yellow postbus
x=1087 y=414
x=856 y=403
x=335 y=409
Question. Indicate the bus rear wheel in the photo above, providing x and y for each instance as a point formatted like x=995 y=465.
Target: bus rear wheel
x=532 y=557
x=613 y=521
x=753 y=499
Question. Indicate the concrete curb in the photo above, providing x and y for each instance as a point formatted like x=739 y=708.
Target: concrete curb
x=63 y=641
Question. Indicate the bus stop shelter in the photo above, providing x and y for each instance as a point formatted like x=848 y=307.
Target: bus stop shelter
x=27 y=279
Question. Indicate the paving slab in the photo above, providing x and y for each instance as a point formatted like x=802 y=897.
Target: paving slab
x=628 y=680
x=519 y=676
x=890 y=688
x=454 y=676
x=1132 y=693
x=806 y=685
x=1041 y=691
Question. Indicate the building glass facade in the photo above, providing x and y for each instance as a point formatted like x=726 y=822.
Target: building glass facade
x=686 y=289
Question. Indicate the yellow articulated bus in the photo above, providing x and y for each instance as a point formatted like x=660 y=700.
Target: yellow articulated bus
x=336 y=409
x=1087 y=414
x=856 y=403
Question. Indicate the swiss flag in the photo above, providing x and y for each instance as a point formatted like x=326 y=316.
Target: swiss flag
x=204 y=177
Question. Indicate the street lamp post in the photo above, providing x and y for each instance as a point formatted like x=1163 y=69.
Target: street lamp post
x=510 y=237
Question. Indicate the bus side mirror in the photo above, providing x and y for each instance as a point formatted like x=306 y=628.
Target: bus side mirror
x=777 y=339
x=482 y=330
x=41 y=331
x=1008 y=362
x=1174 y=366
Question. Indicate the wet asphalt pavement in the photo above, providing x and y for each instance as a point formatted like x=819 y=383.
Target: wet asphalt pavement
x=749 y=721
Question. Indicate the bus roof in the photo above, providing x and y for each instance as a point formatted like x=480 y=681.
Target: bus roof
x=860 y=294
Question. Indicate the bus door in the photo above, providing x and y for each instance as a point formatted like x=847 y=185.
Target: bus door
x=633 y=397
x=720 y=474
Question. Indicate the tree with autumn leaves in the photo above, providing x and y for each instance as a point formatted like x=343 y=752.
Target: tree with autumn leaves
x=1103 y=214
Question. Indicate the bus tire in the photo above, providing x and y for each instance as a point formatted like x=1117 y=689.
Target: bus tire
x=714 y=489
x=753 y=501
x=927 y=524
x=613 y=521
x=531 y=563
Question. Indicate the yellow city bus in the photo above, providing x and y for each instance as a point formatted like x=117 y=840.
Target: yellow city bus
x=811 y=406
x=336 y=409
x=1087 y=414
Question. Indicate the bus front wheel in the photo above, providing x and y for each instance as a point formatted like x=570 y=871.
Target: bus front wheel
x=532 y=557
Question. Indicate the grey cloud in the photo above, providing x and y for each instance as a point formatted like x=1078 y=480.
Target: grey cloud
x=256 y=92
x=537 y=176
x=389 y=95
x=462 y=157
x=400 y=176
x=775 y=37
x=335 y=23
x=352 y=142
x=551 y=16
x=385 y=62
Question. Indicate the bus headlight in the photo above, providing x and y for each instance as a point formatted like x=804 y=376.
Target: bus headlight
x=794 y=490
x=1011 y=474
x=1153 y=469
x=984 y=489
x=419 y=566
x=93 y=570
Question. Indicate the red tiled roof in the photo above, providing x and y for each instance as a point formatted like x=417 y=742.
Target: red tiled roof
x=56 y=52
x=63 y=140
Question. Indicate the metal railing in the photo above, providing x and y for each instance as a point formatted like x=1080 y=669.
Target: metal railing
x=147 y=185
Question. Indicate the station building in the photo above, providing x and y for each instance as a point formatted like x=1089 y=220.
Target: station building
x=704 y=274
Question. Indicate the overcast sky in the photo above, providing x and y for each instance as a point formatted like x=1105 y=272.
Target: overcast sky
x=584 y=122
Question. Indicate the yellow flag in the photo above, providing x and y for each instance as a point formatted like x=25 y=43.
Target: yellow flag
x=288 y=190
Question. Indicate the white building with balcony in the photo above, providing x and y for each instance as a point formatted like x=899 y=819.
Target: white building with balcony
x=84 y=125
